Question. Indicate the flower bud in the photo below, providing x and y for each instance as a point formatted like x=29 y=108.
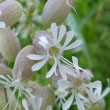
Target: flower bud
x=47 y=95
x=100 y=105
x=56 y=11
x=9 y=44
x=11 y=12
x=23 y=65
x=37 y=47
x=4 y=70
x=31 y=10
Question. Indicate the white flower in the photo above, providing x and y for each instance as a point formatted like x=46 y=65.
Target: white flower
x=100 y=102
x=2 y=24
x=55 y=50
x=75 y=85
x=18 y=86
x=36 y=105
x=99 y=94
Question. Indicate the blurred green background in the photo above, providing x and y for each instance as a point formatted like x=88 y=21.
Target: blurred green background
x=91 y=23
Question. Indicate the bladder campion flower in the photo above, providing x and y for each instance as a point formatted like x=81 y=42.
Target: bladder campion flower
x=76 y=86
x=53 y=49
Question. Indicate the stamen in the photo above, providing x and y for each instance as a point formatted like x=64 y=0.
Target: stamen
x=71 y=64
x=54 y=51
x=11 y=98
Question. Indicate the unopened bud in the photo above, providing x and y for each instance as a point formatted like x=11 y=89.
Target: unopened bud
x=31 y=10
x=56 y=11
x=11 y=11
x=23 y=65
x=100 y=105
x=9 y=44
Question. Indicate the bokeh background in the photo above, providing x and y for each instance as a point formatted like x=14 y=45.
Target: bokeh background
x=91 y=23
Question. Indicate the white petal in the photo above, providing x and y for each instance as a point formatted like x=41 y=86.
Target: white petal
x=64 y=84
x=49 y=107
x=36 y=57
x=75 y=61
x=54 y=30
x=52 y=70
x=0 y=13
x=83 y=97
x=80 y=103
x=69 y=37
x=61 y=33
x=43 y=42
x=39 y=65
x=39 y=103
x=98 y=91
x=4 y=78
x=62 y=72
x=32 y=101
x=2 y=25
x=91 y=95
x=69 y=71
x=73 y=45
x=68 y=103
x=106 y=91
x=24 y=103
x=95 y=84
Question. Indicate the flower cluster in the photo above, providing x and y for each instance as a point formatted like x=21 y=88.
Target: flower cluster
x=70 y=84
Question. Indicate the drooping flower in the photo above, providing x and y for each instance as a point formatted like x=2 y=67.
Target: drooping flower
x=49 y=46
x=21 y=73
x=18 y=86
x=100 y=102
x=77 y=86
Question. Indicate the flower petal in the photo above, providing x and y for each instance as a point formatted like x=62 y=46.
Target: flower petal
x=43 y=42
x=91 y=95
x=69 y=71
x=39 y=65
x=63 y=85
x=95 y=84
x=54 y=30
x=61 y=33
x=69 y=37
x=39 y=103
x=75 y=61
x=62 y=72
x=106 y=91
x=80 y=103
x=2 y=25
x=68 y=103
x=36 y=57
x=52 y=70
x=73 y=45
x=24 y=103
